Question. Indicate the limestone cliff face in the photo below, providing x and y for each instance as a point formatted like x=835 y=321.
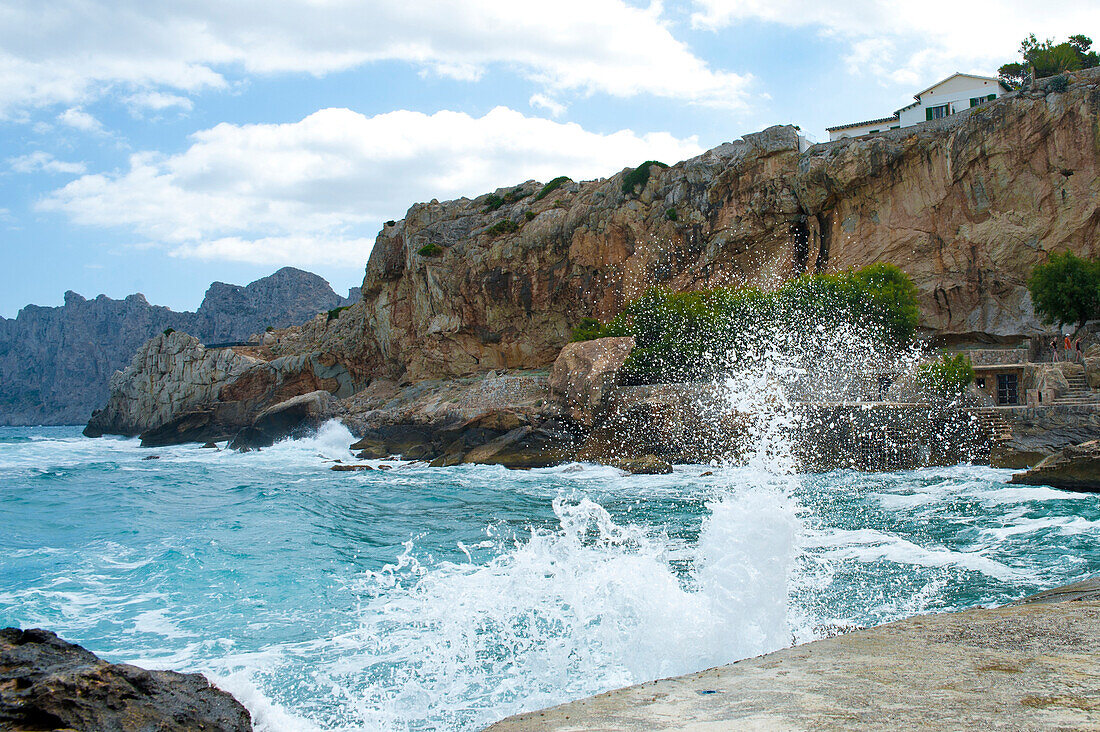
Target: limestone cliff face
x=966 y=207
x=170 y=374
x=55 y=362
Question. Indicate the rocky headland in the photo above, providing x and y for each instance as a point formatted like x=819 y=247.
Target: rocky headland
x=56 y=362
x=467 y=304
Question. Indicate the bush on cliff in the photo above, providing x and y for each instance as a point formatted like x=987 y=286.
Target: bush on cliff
x=553 y=186
x=1048 y=58
x=640 y=175
x=504 y=226
x=946 y=377
x=431 y=249
x=1066 y=290
x=682 y=336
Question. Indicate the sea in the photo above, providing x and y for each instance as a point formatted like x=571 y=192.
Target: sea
x=416 y=598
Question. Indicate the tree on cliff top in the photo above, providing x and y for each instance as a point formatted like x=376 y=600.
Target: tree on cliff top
x=1066 y=289
x=1048 y=58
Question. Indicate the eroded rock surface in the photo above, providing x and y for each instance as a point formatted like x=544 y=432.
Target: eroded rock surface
x=584 y=373
x=47 y=684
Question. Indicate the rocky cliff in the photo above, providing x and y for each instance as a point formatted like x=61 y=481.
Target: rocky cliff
x=966 y=206
x=55 y=362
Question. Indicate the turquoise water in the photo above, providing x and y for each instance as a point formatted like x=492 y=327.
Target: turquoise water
x=425 y=598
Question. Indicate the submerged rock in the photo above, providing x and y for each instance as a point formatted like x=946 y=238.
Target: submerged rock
x=646 y=465
x=350 y=468
x=1076 y=468
x=49 y=684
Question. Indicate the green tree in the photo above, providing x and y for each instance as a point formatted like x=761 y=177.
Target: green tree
x=946 y=377
x=1066 y=289
x=1048 y=58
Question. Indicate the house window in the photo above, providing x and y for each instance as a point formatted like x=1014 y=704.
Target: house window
x=979 y=101
x=939 y=112
x=1007 y=389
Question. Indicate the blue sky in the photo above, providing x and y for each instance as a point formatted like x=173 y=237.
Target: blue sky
x=156 y=147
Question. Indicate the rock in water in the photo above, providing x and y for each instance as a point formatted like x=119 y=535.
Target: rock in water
x=47 y=683
x=646 y=465
x=292 y=417
x=1076 y=468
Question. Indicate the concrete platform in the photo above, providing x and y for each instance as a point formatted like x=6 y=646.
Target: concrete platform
x=1032 y=665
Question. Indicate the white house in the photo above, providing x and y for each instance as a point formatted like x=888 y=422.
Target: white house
x=950 y=96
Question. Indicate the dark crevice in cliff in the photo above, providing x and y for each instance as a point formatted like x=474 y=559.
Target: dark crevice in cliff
x=799 y=233
x=825 y=230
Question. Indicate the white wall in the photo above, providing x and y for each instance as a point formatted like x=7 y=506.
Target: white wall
x=861 y=130
x=957 y=92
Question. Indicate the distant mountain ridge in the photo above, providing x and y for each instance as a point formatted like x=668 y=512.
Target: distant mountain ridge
x=56 y=362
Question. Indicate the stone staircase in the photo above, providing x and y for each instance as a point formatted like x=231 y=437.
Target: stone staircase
x=992 y=422
x=1079 y=393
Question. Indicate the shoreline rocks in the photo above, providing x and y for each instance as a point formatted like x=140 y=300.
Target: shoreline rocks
x=48 y=683
x=1074 y=468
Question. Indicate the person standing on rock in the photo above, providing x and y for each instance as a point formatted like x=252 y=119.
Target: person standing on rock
x=1054 y=350
x=1069 y=348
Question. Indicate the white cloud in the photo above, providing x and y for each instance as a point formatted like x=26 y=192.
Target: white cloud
x=315 y=190
x=41 y=161
x=914 y=43
x=157 y=102
x=80 y=120
x=541 y=101
x=71 y=51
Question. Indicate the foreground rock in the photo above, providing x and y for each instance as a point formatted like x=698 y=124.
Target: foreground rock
x=1026 y=666
x=46 y=683
x=1075 y=468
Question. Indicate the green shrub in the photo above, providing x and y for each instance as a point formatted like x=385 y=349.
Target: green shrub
x=493 y=202
x=1058 y=84
x=553 y=186
x=335 y=312
x=269 y=329
x=588 y=329
x=558 y=203
x=946 y=377
x=1066 y=289
x=431 y=249
x=687 y=335
x=169 y=331
x=529 y=215
x=672 y=215
x=504 y=226
x=391 y=222
x=640 y=175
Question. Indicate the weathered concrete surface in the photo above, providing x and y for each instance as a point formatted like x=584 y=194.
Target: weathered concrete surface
x=1031 y=665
